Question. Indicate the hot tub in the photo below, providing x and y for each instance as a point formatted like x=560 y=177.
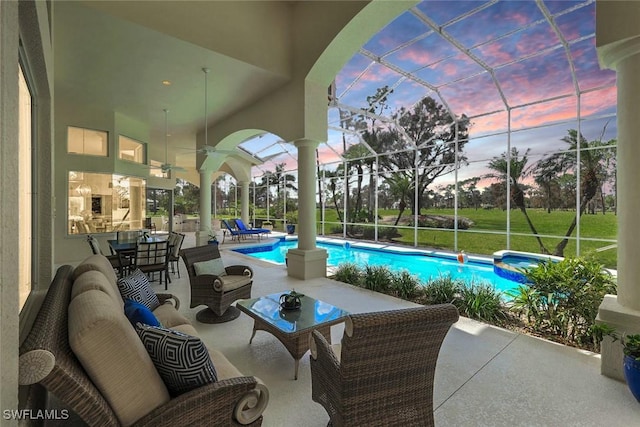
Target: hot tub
x=509 y=264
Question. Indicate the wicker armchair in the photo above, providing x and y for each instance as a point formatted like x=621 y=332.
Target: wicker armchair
x=384 y=373
x=216 y=292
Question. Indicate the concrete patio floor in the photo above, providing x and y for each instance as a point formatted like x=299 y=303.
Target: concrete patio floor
x=486 y=376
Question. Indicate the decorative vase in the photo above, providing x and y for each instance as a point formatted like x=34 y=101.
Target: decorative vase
x=290 y=301
x=632 y=375
x=291 y=228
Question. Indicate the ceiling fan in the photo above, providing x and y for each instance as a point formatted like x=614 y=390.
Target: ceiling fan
x=207 y=149
x=166 y=166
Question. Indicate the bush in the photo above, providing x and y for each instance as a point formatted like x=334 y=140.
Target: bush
x=442 y=290
x=404 y=285
x=384 y=233
x=566 y=299
x=481 y=301
x=348 y=273
x=377 y=278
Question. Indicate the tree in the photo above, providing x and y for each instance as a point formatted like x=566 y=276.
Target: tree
x=401 y=188
x=515 y=169
x=594 y=165
x=187 y=197
x=469 y=191
x=284 y=182
x=546 y=175
x=423 y=143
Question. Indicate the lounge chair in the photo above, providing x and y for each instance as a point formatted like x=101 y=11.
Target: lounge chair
x=215 y=285
x=236 y=233
x=240 y=225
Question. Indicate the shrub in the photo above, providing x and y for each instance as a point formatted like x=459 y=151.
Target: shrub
x=377 y=278
x=384 y=233
x=525 y=301
x=348 y=273
x=292 y=217
x=404 y=285
x=481 y=301
x=570 y=292
x=442 y=290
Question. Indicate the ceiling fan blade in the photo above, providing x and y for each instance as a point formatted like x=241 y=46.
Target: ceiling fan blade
x=169 y=167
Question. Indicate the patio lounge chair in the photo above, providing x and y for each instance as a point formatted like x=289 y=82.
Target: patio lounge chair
x=242 y=227
x=236 y=233
x=384 y=372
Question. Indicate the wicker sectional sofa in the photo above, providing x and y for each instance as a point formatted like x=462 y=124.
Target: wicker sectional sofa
x=83 y=349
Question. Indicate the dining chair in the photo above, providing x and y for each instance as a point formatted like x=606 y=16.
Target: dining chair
x=150 y=225
x=152 y=257
x=116 y=262
x=175 y=241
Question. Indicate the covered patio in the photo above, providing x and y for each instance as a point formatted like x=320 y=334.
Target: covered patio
x=115 y=75
x=486 y=376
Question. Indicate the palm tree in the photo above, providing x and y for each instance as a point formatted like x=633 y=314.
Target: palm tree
x=401 y=187
x=593 y=171
x=516 y=168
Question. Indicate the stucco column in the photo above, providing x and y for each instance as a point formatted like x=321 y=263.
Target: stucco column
x=206 y=179
x=620 y=51
x=244 y=201
x=307 y=261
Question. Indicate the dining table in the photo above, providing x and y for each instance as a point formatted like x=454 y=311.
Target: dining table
x=129 y=245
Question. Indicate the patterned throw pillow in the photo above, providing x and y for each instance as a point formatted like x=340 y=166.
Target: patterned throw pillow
x=182 y=360
x=213 y=266
x=139 y=313
x=136 y=287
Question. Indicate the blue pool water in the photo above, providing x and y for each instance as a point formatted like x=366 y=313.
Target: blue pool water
x=425 y=267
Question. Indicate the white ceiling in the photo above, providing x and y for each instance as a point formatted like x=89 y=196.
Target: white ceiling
x=105 y=58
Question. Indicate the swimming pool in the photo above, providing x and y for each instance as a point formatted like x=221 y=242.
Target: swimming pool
x=427 y=265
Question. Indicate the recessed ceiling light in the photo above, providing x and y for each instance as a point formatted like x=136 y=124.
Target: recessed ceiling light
x=166 y=82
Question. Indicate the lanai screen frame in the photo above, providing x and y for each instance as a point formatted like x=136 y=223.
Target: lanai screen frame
x=557 y=17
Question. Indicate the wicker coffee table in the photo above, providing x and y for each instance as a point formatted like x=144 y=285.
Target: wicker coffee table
x=292 y=327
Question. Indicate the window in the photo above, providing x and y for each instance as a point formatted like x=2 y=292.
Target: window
x=87 y=141
x=130 y=149
x=25 y=181
x=103 y=203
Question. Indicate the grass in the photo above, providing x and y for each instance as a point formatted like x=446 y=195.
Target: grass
x=482 y=237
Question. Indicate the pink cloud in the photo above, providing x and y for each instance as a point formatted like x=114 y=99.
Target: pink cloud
x=416 y=54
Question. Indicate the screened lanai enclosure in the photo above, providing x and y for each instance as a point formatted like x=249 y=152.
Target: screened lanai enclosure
x=462 y=125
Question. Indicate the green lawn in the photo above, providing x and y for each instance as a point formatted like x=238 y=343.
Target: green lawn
x=480 y=238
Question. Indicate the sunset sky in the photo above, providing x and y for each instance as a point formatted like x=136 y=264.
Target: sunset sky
x=482 y=59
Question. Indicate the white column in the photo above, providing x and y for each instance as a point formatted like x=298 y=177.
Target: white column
x=244 y=201
x=628 y=173
x=306 y=194
x=307 y=261
x=206 y=178
x=619 y=51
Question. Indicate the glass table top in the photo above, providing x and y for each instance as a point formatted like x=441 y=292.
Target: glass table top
x=311 y=314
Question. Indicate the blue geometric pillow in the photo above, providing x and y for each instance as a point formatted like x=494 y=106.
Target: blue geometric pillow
x=136 y=287
x=182 y=360
x=137 y=312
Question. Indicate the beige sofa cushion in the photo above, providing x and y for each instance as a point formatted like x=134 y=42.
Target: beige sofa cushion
x=110 y=351
x=95 y=280
x=224 y=368
x=230 y=282
x=170 y=317
x=99 y=263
